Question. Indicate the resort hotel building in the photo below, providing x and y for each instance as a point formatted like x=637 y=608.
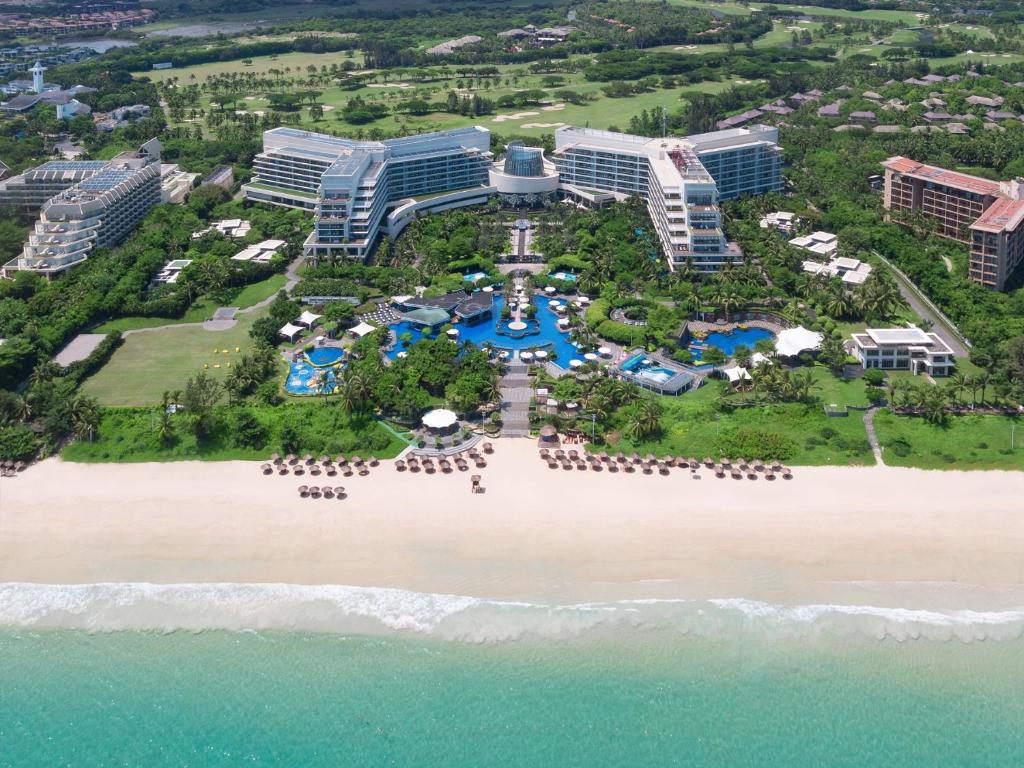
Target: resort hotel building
x=987 y=215
x=88 y=205
x=903 y=349
x=358 y=190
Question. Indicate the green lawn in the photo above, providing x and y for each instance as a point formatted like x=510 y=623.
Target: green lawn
x=202 y=309
x=149 y=363
x=693 y=428
x=964 y=442
x=129 y=435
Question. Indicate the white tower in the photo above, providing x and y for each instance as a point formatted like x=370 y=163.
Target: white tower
x=37 y=77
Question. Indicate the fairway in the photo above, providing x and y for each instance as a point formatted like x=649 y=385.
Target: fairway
x=149 y=363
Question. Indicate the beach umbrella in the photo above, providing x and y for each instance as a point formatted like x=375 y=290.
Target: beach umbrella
x=540 y=354
x=308 y=458
x=299 y=470
x=488 y=448
x=267 y=469
x=526 y=355
x=275 y=458
x=550 y=289
x=339 y=491
x=604 y=351
x=554 y=303
x=303 y=490
x=324 y=459
x=283 y=470
x=575 y=363
x=290 y=458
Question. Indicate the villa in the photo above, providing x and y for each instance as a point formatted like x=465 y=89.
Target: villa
x=851 y=271
x=783 y=221
x=819 y=243
x=903 y=349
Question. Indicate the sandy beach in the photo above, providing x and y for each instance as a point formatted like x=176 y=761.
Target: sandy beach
x=534 y=534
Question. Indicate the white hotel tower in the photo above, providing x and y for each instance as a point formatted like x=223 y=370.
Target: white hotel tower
x=358 y=189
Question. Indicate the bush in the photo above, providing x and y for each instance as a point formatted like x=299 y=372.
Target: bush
x=900 y=447
x=18 y=442
x=874 y=377
x=755 y=443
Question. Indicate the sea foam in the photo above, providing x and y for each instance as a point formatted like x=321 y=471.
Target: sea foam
x=108 y=607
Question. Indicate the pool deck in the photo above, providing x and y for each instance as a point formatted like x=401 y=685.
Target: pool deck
x=685 y=379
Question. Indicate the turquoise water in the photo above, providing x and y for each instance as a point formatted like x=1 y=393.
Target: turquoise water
x=321 y=356
x=728 y=342
x=650 y=370
x=549 y=336
x=570 y=277
x=618 y=698
x=303 y=379
x=473 y=277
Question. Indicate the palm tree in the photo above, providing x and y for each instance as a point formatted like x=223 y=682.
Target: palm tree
x=983 y=379
x=85 y=416
x=958 y=385
x=646 y=419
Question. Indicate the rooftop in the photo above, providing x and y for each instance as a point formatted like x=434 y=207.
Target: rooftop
x=907 y=167
x=1002 y=215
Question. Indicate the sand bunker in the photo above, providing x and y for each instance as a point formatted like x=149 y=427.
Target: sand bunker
x=553 y=107
x=388 y=85
x=542 y=125
x=514 y=116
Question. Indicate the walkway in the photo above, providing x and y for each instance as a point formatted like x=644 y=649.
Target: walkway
x=515 y=401
x=926 y=310
x=291 y=280
x=869 y=425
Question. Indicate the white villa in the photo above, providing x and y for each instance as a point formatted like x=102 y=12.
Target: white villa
x=903 y=349
x=851 y=271
x=819 y=243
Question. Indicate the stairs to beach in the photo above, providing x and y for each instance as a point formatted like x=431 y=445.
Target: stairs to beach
x=515 y=401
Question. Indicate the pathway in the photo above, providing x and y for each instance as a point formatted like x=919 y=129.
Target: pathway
x=291 y=280
x=869 y=425
x=515 y=401
x=925 y=309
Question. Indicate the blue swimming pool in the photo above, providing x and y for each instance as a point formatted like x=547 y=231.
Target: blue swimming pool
x=306 y=379
x=548 y=335
x=729 y=341
x=641 y=366
x=564 y=276
x=474 y=277
x=323 y=356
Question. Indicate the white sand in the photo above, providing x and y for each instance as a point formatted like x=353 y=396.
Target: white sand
x=542 y=125
x=534 y=532
x=514 y=116
x=553 y=107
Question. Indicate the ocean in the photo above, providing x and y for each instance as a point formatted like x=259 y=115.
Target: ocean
x=141 y=675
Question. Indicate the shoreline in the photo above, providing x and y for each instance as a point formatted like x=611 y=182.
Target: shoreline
x=830 y=535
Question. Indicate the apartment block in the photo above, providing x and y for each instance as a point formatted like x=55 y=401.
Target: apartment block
x=27 y=192
x=982 y=213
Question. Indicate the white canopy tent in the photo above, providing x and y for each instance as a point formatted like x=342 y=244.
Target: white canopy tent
x=792 y=341
x=736 y=373
x=439 y=418
x=307 y=319
x=361 y=330
x=290 y=331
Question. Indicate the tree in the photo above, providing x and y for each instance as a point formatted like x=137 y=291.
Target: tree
x=644 y=419
x=85 y=417
x=833 y=354
x=202 y=393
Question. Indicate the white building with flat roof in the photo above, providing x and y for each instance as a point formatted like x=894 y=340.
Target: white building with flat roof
x=903 y=349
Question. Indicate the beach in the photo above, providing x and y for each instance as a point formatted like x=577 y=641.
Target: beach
x=203 y=614
x=535 y=534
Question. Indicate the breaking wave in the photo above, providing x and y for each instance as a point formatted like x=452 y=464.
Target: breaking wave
x=361 y=610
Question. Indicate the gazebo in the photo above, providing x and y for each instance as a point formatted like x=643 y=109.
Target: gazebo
x=792 y=341
x=308 y=319
x=440 y=421
x=361 y=330
x=290 y=331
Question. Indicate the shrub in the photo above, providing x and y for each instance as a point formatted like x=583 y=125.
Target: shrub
x=755 y=443
x=18 y=442
x=874 y=377
x=900 y=447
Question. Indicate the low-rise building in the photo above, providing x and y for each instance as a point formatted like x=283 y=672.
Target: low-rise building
x=819 y=243
x=903 y=349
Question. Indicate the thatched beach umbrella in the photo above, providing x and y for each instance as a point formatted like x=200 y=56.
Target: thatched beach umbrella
x=282 y=470
x=708 y=462
x=374 y=461
x=629 y=468
x=325 y=459
x=303 y=490
x=719 y=471
x=298 y=470
x=331 y=470
x=267 y=469
x=275 y=458
x=488 y=448
x=290 y=458
x=339 y=491
x=636 y=458
x=328 y=492
x=315 y=469
x=787 y=473
x=357 y=460
x=308 y=458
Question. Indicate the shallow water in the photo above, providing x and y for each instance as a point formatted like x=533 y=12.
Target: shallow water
x=398 y=678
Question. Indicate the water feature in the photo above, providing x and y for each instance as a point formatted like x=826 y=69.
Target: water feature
x=728 y=341
x=541 y=332
x=474 y=277
x=564 y=276
x=325 y=356
x=644 y=368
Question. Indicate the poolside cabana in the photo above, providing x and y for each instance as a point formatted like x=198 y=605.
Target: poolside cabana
x=362 y=330
x=736 y=374
x=290 y=331
x=792 y=341
x=308 y=319
x=430 y=317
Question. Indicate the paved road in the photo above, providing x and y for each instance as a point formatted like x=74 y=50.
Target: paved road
x=913 y=297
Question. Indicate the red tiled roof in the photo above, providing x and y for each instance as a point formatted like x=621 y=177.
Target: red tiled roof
x=1003 y=214
x=962 y=181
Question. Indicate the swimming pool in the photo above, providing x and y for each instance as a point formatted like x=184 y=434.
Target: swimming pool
x=729 y=341
x=548 y=336
x=306 y=379
x=474 y=277
x=324 y=356
x=564 y=276
x=644 y=368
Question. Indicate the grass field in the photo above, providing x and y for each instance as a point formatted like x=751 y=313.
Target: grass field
x=203 y=308
x=694 y=428
x=260 y=64
x=964 y=442
x=149 y=363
